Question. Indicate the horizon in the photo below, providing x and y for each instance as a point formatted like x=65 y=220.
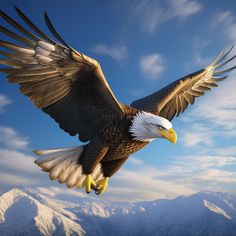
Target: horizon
x=141 y=48
x=54 y=192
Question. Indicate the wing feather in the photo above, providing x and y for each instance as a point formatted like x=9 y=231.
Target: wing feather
x=64 y=83
x=17 y=37
x=33 y=26
x=17 y=26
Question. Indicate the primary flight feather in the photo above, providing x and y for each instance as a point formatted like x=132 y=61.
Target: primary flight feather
x=71 y=88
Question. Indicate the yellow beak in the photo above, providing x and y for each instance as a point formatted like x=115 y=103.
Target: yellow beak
x=168 y=134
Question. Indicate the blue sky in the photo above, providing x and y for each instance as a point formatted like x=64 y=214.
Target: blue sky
x=141 y=46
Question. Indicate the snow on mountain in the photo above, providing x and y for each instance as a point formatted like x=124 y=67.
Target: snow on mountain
x=21 y=214
x=183 y=216
x=44 y=212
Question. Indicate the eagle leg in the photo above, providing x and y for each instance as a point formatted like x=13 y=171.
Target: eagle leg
x=88 y=183
x=102 y=185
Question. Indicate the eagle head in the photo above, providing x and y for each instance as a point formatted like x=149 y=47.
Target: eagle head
x=146 y=127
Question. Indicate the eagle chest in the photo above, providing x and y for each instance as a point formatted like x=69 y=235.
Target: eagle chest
x=119 y=139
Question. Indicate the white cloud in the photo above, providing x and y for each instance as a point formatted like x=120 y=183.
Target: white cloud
x=118 y=53
x=4 y=101
x=17 y=162
x=18 y=169
x=152 y=65
x=222 y=23
x=204 y=135
x=224 y=151
x=184 y=8
x=225 y=177
x=153 y=13
x=226 y=23
x=186 y=175
x=198 y=134
x=200 y=163
x=9 y=138
x=12 y=180
x=135 y=161
x=202 y=172
x=225 y=18
x=149 y=13
x=137 y=185
x=200 y=42
x=202 y=61
x=219 y=106
x=56 y=192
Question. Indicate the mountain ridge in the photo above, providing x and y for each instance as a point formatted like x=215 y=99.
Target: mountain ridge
x=39 y=219
x=41 y=212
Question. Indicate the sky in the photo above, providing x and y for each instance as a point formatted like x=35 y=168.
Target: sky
x=141 y=46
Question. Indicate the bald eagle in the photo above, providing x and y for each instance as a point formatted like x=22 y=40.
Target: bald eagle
x=71 y=88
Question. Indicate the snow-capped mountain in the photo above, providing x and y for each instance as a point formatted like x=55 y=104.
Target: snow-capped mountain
x=21 y=214
x=42 y=212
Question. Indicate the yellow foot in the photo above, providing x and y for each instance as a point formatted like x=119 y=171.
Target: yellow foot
x=88 y=183
x=102 y=185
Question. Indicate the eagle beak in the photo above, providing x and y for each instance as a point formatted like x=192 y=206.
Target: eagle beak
x=168 y=134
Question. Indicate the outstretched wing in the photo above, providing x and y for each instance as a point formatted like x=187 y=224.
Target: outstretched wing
x=174 y=98
x=64 y=83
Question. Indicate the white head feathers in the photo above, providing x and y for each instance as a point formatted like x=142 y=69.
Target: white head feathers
x=145 y=125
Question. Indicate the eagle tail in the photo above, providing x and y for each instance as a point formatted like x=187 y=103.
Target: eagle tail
x=63 y=164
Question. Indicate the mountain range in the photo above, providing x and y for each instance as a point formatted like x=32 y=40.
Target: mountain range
x=39 y=211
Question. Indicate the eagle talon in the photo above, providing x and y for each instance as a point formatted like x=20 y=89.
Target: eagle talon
x=89 y=183
x=95 y=188
x=102 y=185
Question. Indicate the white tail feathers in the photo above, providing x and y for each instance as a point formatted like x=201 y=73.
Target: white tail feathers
x=63 y=164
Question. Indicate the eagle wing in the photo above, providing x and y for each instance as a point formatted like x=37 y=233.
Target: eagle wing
x=173 y=99
x=64 y=83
